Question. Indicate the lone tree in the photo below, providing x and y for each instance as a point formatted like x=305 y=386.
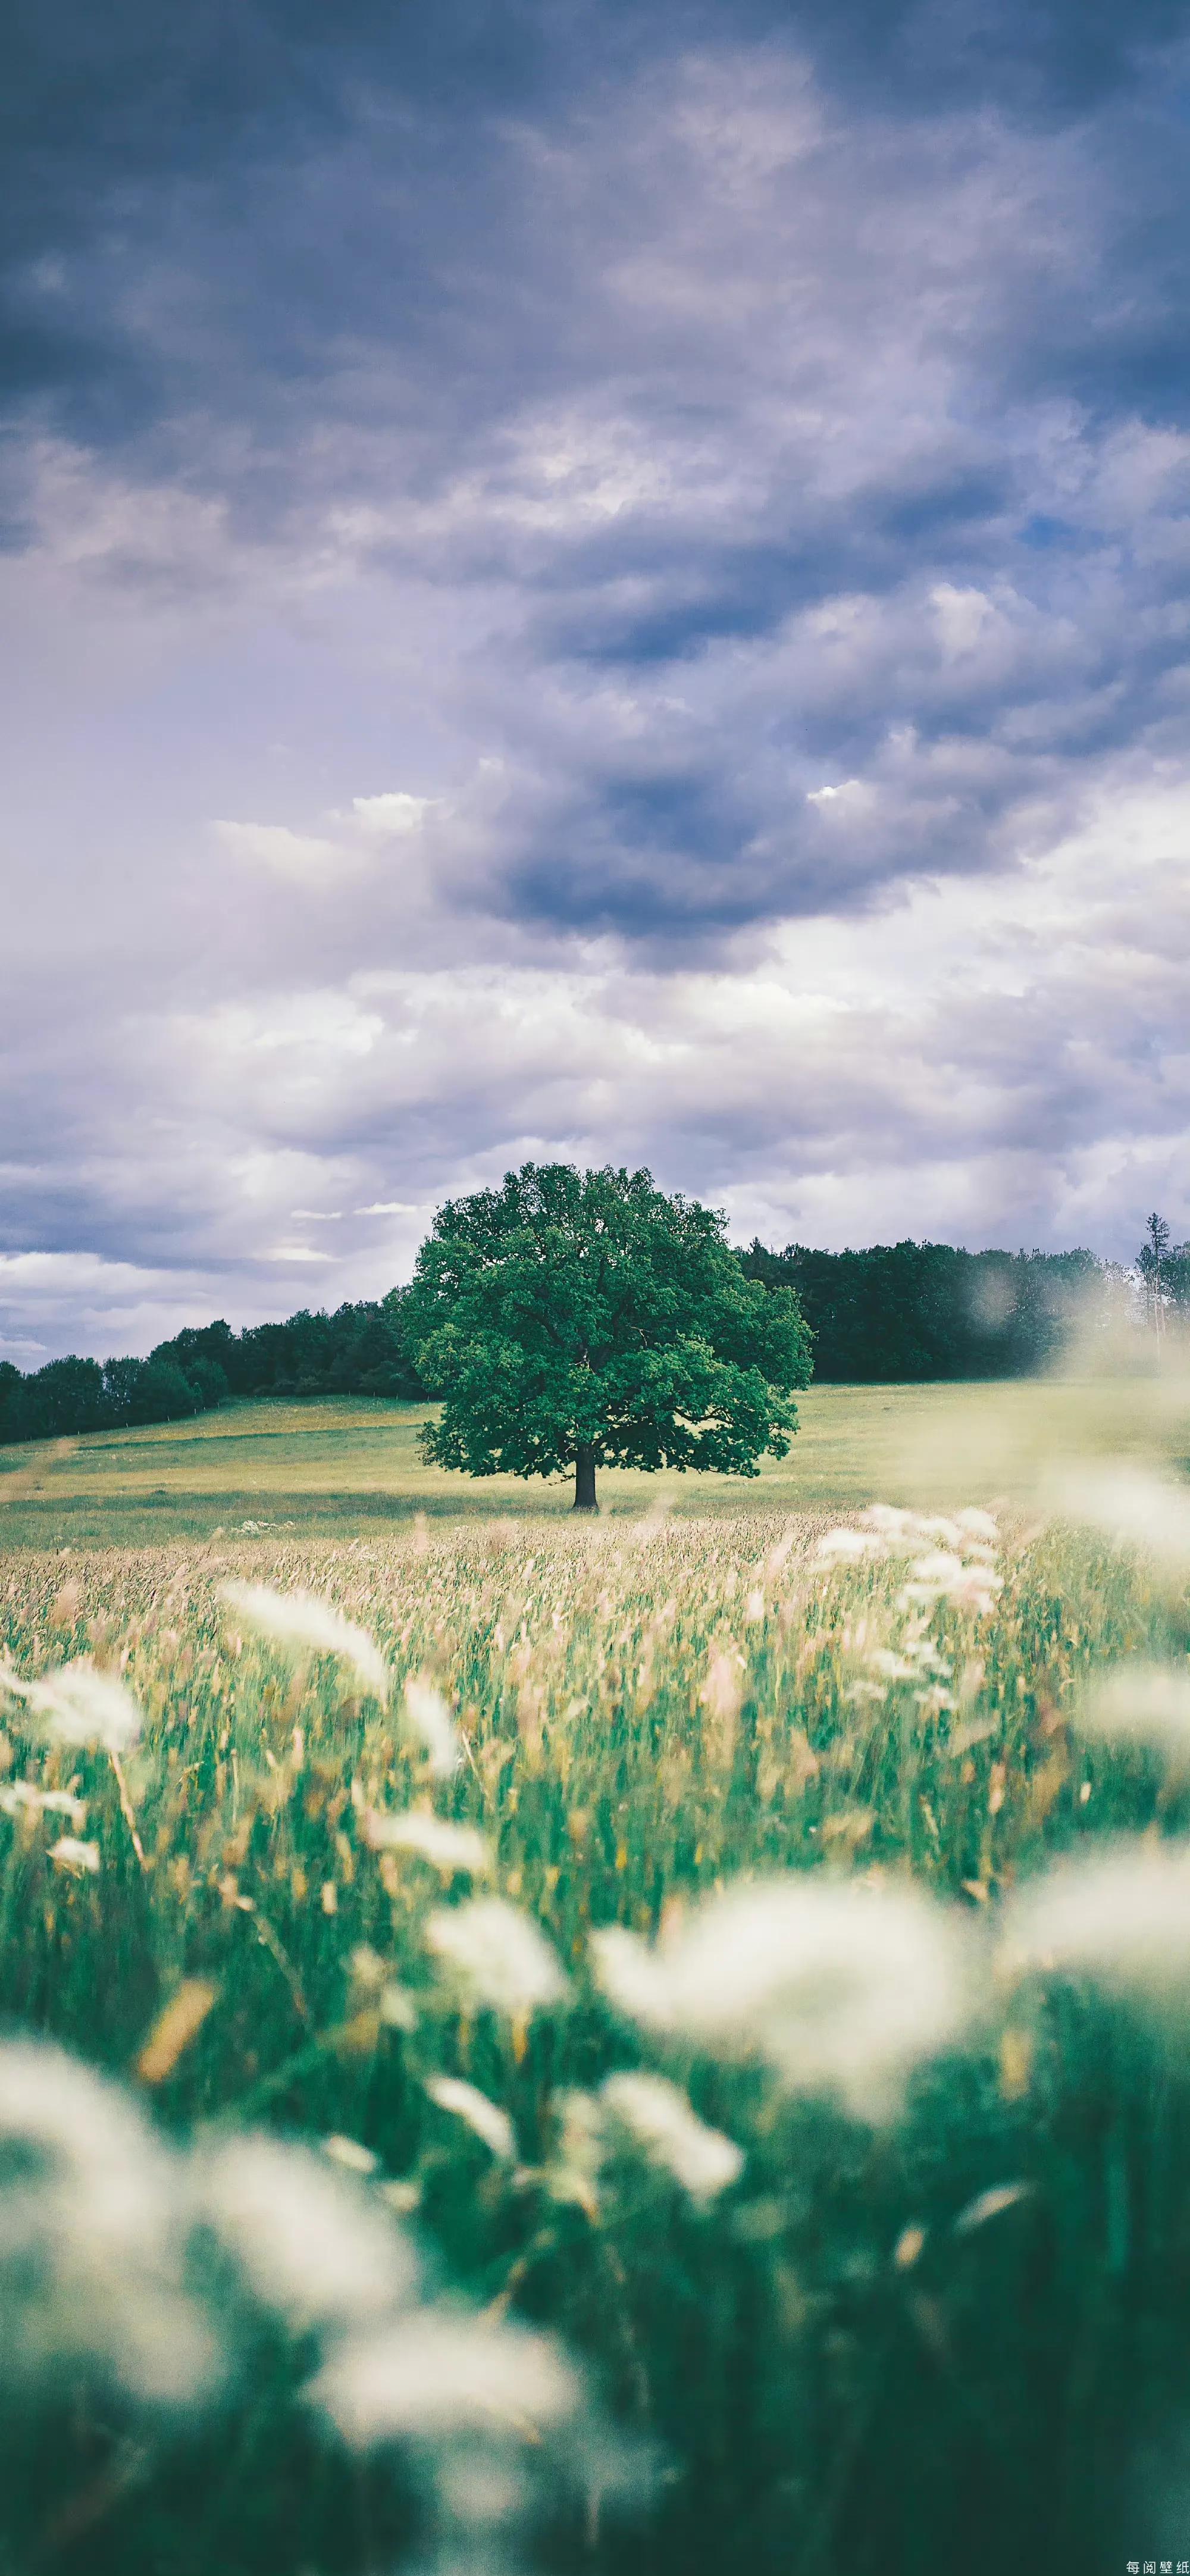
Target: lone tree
x=584 y=1319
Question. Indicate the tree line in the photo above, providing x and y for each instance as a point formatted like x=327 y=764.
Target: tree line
x=359 y=1350
x=1164 y=1268
x=901 y=1311
x=892 y=1312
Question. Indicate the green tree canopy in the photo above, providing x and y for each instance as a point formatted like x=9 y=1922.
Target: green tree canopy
x=577 y=1319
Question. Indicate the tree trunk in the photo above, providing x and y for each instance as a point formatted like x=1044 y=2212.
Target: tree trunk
x=584 y=1478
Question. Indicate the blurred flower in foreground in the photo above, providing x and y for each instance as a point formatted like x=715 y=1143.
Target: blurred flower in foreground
x=848 y=1546
x=108 y=2292
x=432 y=2374
x=310 y=2243
x=21 y=1797
x=72 y=1854
x=466 y=2102
x=82 y=1705
x=1140 y=1704
x=657 y=2114
x=1122 y=1918
x=944 y=1576
x=498 y=1955
x=1136 y=1506
x=431 y=1719
x=842 y=1988
x=956 y=1569
x=299 y=1623
x=438 y=1839
x=969 y=1532
x=90 y=2240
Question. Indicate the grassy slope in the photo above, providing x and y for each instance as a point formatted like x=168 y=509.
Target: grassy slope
x=335 y=1468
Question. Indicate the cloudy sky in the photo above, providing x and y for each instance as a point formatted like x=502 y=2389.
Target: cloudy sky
x=586 y=580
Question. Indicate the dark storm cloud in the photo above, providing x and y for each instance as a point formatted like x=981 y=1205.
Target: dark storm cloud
x=115 y=124
x=672 y=385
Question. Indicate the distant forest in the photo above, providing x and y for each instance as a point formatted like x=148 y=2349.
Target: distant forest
x=902 y=1311
x=356 y=1351
x=895 y=1312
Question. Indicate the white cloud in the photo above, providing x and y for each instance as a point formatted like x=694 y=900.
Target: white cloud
x=292 y=1252
x=391 y=815
x=1005 y=1060
x=300 y=856
x=851 y=794
x=1008 y=1057
x=962 y=617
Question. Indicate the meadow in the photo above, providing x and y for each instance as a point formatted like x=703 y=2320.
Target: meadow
x=349 y=1467
x=659 y=2044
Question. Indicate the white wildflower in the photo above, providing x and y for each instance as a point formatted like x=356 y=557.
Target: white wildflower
x=938 y=1525
x=431 y=1719
x=965 y=1534
x=659 y=2116
x=71 y=1854
x=1122 y=1918
x=847 y=1546
x=310 y=2244
x=1140 y=1704
x=81 y=1704
x=892 y=1667
x=924 y=1653
x=20 y=1796
x=843 y=1988
x=942 y=1575
x=498 y=1954
x=466 y=2102
x=978 y=1590
x=889 y=1519
x=431 y=2374
x=939 y=1570
x=446 y=1845
x=301 y=1623
x=89 y=2208
x=634 y=1977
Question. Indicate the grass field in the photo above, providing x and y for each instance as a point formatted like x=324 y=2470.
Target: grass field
x=343 y=1468
x=639 y=1922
